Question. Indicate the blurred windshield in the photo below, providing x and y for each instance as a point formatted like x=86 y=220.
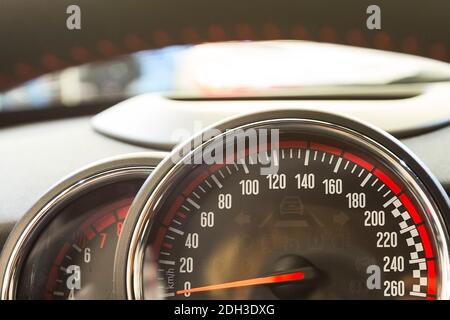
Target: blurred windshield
x=231 y=69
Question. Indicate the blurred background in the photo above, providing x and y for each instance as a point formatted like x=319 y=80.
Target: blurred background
x=129 y=59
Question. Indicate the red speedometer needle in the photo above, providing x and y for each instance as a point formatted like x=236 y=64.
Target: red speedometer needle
x=279 y=278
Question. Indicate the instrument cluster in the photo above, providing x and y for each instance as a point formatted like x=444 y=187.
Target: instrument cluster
x=282 y=204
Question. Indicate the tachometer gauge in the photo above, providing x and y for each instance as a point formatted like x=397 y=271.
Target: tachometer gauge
x=287 y=205
x=73 y=258
x=64 y=247
x=82 y=266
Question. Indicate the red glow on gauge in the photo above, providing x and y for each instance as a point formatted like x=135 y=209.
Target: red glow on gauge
x=159 y=240
x=89 y=233
x=387 y=181
x=410 y=208
x=194 y=184
x=355 y=159
x=431 y=277
x=52 y=276
x=167 y=245
x=104 y=222
x=122 y=212
x=62 y=253
x=425 y=241
x=326 y=148
x=173 y=210
x=181 y=215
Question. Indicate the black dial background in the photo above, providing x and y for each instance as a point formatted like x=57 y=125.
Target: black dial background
x=247 y=242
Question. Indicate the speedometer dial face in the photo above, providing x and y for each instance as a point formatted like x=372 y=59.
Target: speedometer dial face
x=340 y=217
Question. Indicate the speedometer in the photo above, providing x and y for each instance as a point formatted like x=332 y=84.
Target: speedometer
x=287 y=205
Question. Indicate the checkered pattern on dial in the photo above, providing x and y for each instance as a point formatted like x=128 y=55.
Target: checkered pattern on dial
x=407 y=226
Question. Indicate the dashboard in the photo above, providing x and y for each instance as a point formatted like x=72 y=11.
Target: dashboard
x=258 y=152
x=273 y=204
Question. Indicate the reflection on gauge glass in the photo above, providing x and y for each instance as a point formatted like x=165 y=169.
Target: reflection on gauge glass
x=73 y=256
x=342 y=218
